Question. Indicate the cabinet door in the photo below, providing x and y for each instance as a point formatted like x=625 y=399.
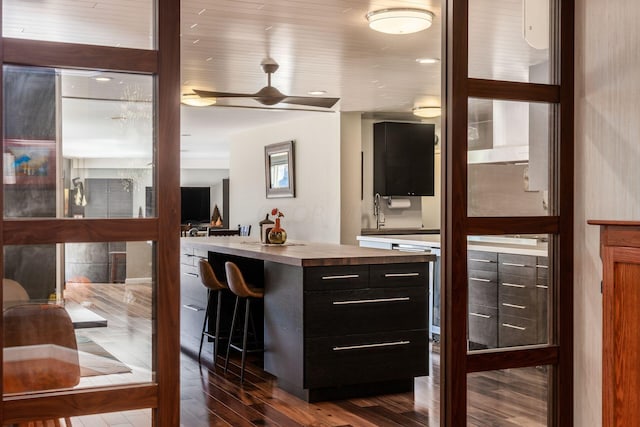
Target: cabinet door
x=403 y=159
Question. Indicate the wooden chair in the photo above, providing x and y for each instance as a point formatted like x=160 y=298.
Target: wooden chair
x=214 y=287
x=41 y=352
x=13 y=293
x=237 y=285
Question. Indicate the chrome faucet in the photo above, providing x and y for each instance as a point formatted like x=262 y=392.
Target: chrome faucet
x=376 y=211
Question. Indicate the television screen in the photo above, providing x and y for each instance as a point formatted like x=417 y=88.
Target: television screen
x=195 y=205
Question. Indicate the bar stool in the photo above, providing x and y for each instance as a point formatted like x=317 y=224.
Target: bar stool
x=239 y=287
x=213 y=285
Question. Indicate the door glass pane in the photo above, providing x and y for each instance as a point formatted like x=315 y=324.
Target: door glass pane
x=510 y=39
x=78 y=144
x=510 y=291
x=509 y=397
x=509 y=157
x=82 y=318
x=106 y=23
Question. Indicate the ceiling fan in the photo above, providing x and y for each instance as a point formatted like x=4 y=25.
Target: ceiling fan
x=269 y=95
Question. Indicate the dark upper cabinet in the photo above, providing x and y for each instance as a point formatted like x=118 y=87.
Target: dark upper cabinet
x=403 y=159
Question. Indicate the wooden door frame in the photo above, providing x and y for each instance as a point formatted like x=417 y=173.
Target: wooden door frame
x=163 y=394
x=457 y=88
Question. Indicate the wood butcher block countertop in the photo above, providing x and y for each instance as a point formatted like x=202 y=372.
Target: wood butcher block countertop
x=304 y=254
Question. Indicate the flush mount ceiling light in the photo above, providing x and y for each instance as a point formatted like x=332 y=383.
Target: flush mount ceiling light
x=194 y=100
x=427 y=112
x=400 y=20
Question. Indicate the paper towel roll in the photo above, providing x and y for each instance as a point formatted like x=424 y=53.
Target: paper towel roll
x=398 y=203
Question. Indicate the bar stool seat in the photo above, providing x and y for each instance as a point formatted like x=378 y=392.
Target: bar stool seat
x=214 y=287
x=242 y=290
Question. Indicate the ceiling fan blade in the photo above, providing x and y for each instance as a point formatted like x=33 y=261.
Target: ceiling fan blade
x=311 y=101
x=211 y=94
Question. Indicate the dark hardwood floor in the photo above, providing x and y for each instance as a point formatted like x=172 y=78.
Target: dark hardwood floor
x=209 y=397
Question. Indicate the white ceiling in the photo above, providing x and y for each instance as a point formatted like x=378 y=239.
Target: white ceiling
x=319 y=44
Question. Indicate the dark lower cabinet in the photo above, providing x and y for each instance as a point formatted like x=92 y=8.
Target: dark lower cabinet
x=508 y=297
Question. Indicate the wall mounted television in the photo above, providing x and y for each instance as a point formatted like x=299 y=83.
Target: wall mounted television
x=195 y=205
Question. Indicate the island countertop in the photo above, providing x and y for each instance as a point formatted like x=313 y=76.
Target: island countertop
x=304 y=254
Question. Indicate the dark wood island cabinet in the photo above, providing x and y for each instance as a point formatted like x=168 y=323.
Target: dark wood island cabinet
x=339 y=321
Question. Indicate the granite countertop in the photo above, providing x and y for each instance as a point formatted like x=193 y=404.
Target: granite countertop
x=301 y=253
x=512 y=245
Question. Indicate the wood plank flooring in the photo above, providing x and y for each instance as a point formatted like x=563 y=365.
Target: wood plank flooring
x=210 y=397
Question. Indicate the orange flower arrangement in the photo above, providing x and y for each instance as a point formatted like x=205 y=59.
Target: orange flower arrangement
x=277 y=213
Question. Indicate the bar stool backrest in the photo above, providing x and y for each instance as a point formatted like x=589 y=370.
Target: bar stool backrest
x=208 y=277
x=236 y=282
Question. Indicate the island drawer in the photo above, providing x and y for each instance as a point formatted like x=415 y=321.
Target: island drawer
x=479 y=260
x=365 y=310
x=336 y=277
x=516 y=331
x=409 y=274
x=483 y=325
x=343 y=360
x=190 y=284
x=186 y=255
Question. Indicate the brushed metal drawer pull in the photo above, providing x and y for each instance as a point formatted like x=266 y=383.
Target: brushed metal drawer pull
x=513 y=285
x=542 y=287
x=401 y=274
x=382 y=344
x=510 y=264
x=191 y=274
x=477 y=279
x=521 y=307
x=479 y=260
x=344 y=276
x=367 y=301
x=508 y=325
x=484 y=316
x=542 y=266
x=189 y=255
x=192 y=307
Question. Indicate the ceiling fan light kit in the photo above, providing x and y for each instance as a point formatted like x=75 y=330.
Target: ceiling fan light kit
x=400 y=20
x=427 y=112
x=194 y=100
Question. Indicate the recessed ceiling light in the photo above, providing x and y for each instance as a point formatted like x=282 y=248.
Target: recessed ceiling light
x=427 y=112
x=202 y=11
x=193 y=26
x=400 y=20
x=317 y=92
x=196 y=41
x=427 y=60
x=194 y=100
x=209 y=58
x=103 y=79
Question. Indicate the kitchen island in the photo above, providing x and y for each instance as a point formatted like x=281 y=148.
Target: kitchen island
x=339 y=321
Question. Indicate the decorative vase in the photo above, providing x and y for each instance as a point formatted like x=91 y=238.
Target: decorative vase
x=277 y=234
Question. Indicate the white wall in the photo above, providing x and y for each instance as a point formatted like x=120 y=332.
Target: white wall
x=350 y=177
x=607 y=176
x=314 y=214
